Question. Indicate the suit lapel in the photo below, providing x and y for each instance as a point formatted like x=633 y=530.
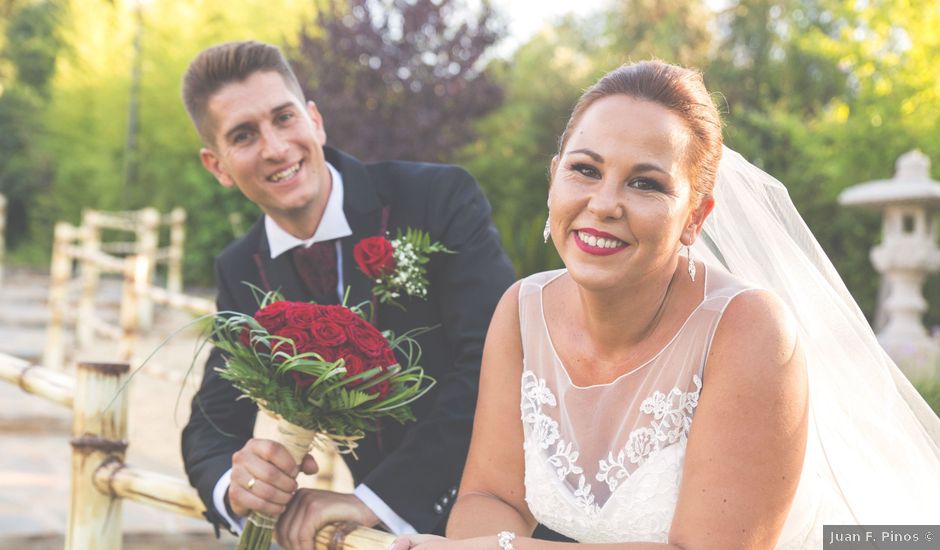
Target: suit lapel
x=363 y=209
x=277 y=273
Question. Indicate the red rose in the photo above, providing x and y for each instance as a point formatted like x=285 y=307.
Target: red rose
x=382 y=388
x=300 y=315
x=390 y=358
x=341 y=315
x=329 y=355
x=375 y=256
x=300 y=337
x=354 y=367
x=326 y=333
x=367 y=339
x=272 y=316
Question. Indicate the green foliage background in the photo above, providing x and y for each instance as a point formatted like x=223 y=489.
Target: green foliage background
x=821 y=93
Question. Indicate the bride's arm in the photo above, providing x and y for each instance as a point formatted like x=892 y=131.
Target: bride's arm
x=492 y=491
x=748 y=436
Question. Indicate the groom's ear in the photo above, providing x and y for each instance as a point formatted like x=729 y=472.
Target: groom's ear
x=319 y=130
x=210 y=160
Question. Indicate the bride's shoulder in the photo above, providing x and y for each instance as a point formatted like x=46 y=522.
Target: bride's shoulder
x=757 y=336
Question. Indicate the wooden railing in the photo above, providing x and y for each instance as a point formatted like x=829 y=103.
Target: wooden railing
x=100 y=478
x=83 y=247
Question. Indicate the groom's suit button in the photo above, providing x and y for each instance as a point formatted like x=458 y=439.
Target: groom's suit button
x=438 y=509
x=453 y=492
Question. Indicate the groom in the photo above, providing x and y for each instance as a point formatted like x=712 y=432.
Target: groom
x=262 y=137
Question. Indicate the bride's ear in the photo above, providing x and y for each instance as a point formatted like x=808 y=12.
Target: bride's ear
x=552 y=169
x=697 y=220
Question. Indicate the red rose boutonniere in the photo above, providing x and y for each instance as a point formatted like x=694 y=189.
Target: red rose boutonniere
x=398 y=266
x=375 y=256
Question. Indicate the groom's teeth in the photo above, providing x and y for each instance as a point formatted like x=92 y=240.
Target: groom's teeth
x=286 y=173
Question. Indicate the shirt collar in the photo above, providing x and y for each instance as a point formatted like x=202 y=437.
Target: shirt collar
x=333 y=225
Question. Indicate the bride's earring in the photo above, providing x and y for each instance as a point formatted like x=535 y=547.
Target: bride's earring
x=691 y=267
x=547 y=232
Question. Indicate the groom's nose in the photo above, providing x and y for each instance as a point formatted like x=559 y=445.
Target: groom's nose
x=273 y=144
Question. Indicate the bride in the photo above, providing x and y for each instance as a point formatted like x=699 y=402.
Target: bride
x=697 y=376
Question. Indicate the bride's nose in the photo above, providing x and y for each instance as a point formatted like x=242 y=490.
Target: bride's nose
x=606 y=202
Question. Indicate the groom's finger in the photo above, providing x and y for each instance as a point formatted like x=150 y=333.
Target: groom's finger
x=248 y=466
x=275 y=453
x=244 y=501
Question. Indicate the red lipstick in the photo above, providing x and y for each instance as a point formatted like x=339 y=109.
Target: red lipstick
x=596 y=250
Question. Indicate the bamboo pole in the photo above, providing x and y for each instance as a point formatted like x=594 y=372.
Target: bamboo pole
x=192 y=304
x=60 y=273
x=91 y=275
x=148 y=234
x=3 y=232
x=150 y=488
x=134 y=287
x=99 y=434
x=42 y=381
x=174 y=270
x=349 y=536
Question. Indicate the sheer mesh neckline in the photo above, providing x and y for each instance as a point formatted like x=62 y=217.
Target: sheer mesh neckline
x=642 y=366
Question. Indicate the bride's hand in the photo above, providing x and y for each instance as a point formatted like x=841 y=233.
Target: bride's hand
x=434 y=542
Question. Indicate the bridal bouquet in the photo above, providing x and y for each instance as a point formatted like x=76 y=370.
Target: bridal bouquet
x=323 y=371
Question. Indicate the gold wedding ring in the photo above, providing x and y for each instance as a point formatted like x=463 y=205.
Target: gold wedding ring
x=251 y=483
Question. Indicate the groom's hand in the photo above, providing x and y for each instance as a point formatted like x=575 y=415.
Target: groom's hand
x=311 y=509
x=275 y=478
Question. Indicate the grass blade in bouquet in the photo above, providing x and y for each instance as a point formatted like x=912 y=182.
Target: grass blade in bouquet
x=324 y=372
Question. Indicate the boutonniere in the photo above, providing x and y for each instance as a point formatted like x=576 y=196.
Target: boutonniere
x=397 y=266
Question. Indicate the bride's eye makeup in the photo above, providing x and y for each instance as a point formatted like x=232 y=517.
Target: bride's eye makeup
x=585 y=169
x=647 y=184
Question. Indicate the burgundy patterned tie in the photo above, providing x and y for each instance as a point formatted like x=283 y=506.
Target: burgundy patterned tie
x=316 y=266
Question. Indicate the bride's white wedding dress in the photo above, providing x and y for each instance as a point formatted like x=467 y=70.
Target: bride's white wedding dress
x=604 y=463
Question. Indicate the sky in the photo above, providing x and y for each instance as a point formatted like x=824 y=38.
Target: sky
x=526 y=17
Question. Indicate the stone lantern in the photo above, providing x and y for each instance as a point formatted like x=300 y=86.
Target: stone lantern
x=907 y=253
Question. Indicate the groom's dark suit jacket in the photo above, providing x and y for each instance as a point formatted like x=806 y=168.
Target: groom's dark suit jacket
x=413 y=468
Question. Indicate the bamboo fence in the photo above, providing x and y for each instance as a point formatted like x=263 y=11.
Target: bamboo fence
x=100 y=478
x=83 y=246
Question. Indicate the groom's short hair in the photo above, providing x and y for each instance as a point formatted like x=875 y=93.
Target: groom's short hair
x=229 y=63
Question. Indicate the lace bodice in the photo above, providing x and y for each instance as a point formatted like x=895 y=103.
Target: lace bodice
x=603 y=463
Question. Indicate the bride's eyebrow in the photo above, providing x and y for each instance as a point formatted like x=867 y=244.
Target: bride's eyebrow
x=590 y=153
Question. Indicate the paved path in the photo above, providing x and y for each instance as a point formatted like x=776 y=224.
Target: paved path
x=34 y=433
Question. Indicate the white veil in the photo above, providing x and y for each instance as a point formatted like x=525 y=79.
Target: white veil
x=874 y=442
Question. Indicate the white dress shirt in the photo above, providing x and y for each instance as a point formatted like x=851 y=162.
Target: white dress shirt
x=333 y=225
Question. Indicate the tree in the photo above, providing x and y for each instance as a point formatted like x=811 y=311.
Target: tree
x=676 y=31
x=512 y=155
x=399 y=79
x=32 y=44
x=83 y=126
